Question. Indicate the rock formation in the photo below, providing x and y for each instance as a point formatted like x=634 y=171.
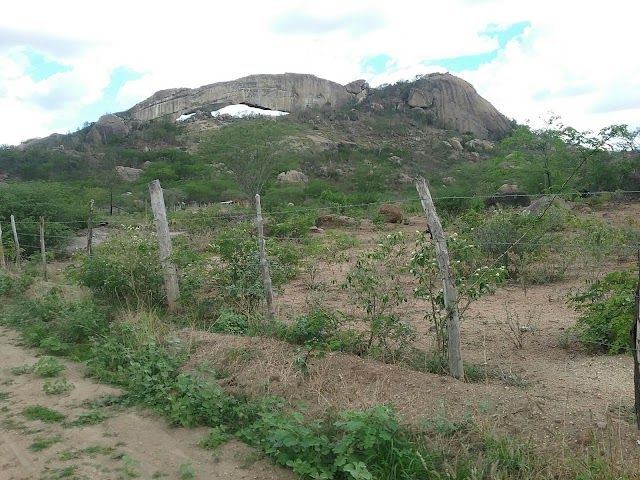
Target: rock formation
x=292 y=176
x=107 y=126
x=286 y=92
x=456 y=105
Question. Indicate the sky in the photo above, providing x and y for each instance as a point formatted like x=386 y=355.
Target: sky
x=65 y=63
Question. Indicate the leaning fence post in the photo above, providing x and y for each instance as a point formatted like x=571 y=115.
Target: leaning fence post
x=456 y=368
x=164 y=242
x=15 y=240
x=264 y=263
x=635 y=346
x=43 y=253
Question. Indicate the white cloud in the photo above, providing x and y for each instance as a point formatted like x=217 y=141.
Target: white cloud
x=574 y=59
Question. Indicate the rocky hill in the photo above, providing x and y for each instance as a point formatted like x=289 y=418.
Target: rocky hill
x=451 y=102
x=287 y=92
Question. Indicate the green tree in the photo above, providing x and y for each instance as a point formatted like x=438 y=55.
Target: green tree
x=251 y=149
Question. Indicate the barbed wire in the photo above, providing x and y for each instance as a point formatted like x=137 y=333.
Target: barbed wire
x=237 y=215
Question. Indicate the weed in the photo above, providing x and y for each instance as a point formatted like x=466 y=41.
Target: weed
x=186 y=471
x=216 y=437
x=516 y=328
x=57 y=387
x=58 y=473
x=91 y=451
x=92 y=417
x=44 y=414
x=130 y=466
x=21 y=370
x=4 y=395
x=40 y=443
x=48 y=367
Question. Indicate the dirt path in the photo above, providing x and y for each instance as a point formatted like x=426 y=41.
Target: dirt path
x=130 y=443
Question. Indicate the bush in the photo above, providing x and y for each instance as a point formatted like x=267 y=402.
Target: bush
x=607 y=312
x=58 y=326
x=125 y=270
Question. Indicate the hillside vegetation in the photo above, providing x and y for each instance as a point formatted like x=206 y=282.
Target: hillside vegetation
x=359 y=303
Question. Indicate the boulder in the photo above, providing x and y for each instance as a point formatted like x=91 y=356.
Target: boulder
x=404 y=179
x=458 y=106
x=128 y=173
x=508 y=188
x=316 y=230
x=106 y=127
x=448 y=181
x=483 y=145
x=331 y=220
x=395 y=159
x=542 y=203
x=514 y=199
x=456 y=144
x=356 y=87
x=292 y=176
x=419 y=98
x=391 y=213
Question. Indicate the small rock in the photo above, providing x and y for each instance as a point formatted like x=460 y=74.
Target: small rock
x=316 y=230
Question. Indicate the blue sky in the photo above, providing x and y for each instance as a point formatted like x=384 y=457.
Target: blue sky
x=527 y=58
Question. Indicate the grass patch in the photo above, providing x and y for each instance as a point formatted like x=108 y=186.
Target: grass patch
x=92 y=417
x=92 y=451
x=42 y=443
x=4 y=395
x=58 y=473
x=44 y=414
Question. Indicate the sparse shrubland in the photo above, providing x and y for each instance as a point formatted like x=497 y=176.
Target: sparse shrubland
x=119 y=327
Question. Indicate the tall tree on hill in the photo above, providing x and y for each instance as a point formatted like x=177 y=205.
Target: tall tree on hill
x=249 y=149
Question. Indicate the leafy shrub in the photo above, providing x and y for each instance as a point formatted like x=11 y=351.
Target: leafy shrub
x=606 y=312
x=235 y=277
x=48 y=367
x=13 y=285
x=125 y=270
x=374 y=285
x=318 y=327
x=231 y=323
x=58 y=326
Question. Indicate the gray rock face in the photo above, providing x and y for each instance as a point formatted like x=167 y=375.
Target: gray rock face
x=286 y=92
x=292 y=176
x=458 y=106
x=107 y=126
x=356 y=86
x=128 y=173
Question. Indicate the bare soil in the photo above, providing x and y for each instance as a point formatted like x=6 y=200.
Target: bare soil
x=133 y=443
x=535 y=382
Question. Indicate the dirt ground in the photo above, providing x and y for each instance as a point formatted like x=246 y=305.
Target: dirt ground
x=131 y=443
x=540 y=385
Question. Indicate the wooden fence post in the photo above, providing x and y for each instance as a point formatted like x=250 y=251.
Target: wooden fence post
x=90 y=228
x=43 y=253
x=164 y=241
x=15 y=240
x=635 y=346
x=456 y=368
x=2 y=260
x=264 y=263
